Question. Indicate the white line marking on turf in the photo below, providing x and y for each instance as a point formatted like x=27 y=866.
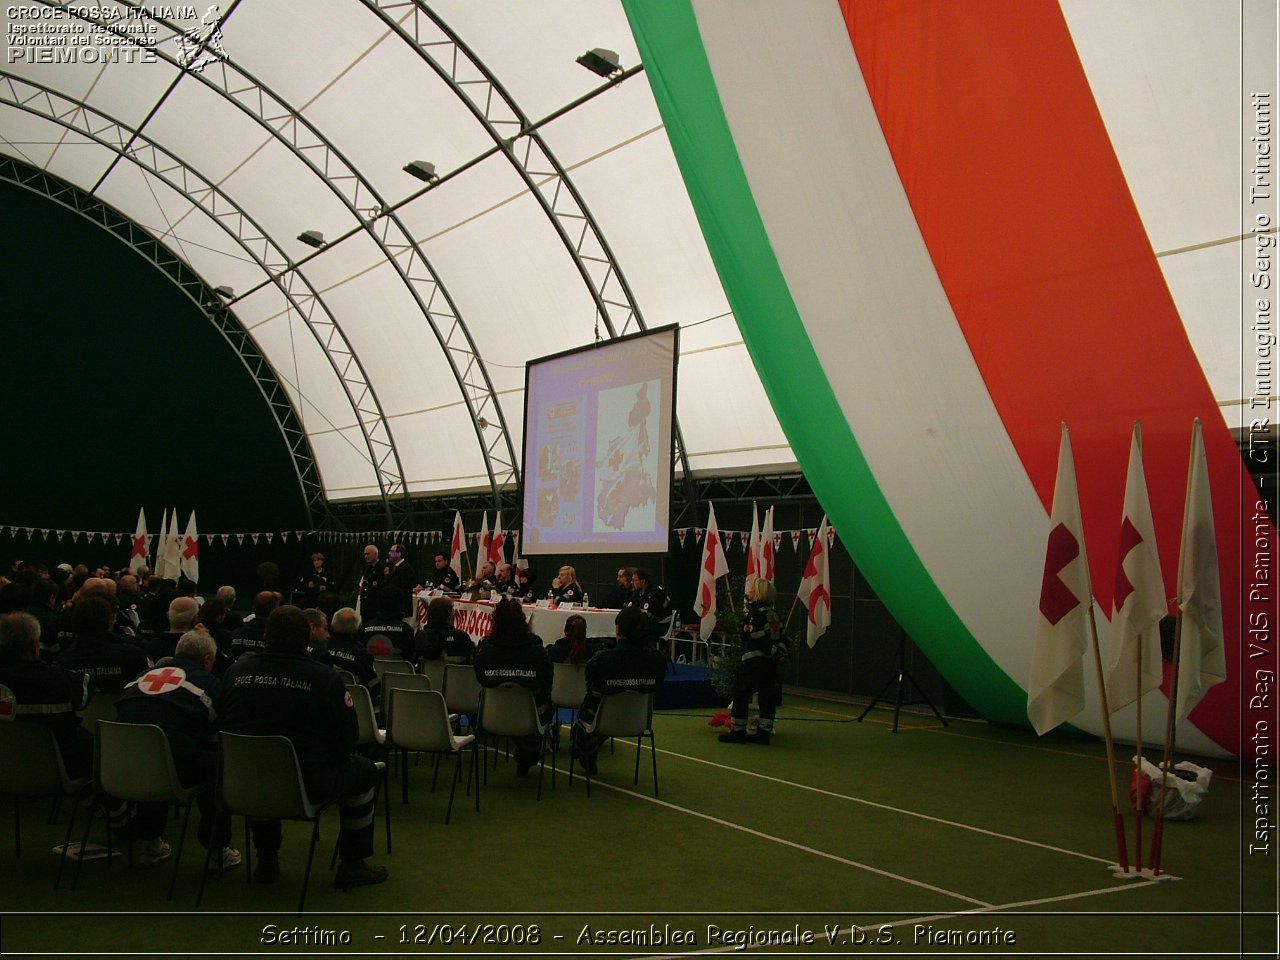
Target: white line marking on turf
x=890 y=809
x=795 y=846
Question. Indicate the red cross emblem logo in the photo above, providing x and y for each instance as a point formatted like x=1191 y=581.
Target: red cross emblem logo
x=161 y=681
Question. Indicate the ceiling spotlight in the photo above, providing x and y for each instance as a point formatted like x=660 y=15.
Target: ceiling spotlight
x=482 y=423
x=422 y=170
x=227 y=293
x=312 y=238
x=600 y=61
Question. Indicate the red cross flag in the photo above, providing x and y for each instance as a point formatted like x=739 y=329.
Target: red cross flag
x=138 y=555
x=815 y=588
x=497 y=543
x=1134 y=666
x=767 y=547
x=1055 y=692
x=714 y=566
x=1202 y=658
x=190 y=561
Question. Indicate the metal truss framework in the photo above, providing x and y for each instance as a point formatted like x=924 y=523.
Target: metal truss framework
x=397 y=245
x=511 y=130
x=176 y=270
x=201 y=192
x=546 y=180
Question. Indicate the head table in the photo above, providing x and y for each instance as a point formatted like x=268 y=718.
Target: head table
x=474 y=616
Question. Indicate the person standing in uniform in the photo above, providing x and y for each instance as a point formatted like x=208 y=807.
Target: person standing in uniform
x=371 y=581
x=763 y=648
x=399 y=575
x=314 y=582
x=282 y=691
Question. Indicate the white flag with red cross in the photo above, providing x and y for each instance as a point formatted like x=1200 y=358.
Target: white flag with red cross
x=714 y=566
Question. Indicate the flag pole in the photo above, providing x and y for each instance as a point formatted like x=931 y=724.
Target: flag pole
x=1157 y=834
x=1137 y=765
x=791 y=613
x=1157 y=837
x=1117 y=816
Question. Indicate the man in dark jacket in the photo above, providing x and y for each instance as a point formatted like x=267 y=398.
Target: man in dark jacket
x=631 y=665
x=282 y=691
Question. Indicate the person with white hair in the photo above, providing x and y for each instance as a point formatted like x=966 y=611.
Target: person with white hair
x=178 y=696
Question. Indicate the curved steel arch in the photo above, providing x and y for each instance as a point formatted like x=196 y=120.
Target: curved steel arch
x=195 y=289
x=202 y=193
x=560 y=208
x=402 y=251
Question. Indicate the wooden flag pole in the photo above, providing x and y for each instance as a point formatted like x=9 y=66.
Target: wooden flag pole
x=1121 y=849
x=1137 y=767
x=1157 y=835
x=790 y=613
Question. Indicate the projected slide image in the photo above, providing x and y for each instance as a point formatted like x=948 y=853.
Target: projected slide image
x=625 y=488
x=560 y=467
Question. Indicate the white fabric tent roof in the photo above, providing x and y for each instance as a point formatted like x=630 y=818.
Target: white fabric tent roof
x=394 y=342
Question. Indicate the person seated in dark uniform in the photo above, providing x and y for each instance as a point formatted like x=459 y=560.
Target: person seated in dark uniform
x=574 y=647
x=504 y=582
x=314 y=582
x=213 y=617
x=631 y=665
x=527 y=592
x=348 y=652
x=439 y=639
x=480 y=587
x=512 y=654
x=181 y=617
x=617 y=598
x=386 y=634
x=318 y=640
x=96 y=651
x=444 y=577
x=179 y=696
x=32 y=691
x=651 y=600
x=250 y=637
x=565 y=588
x=282 y=691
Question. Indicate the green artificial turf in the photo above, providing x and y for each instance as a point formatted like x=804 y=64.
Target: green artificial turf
x=839 y=831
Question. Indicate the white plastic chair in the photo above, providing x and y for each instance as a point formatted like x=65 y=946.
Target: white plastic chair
x=132 y=761
x=568 y=690
x=31 y=767
x=259 y=779
x=625 y=714
x=512 y=711
x=422 y=724
x=372 y=736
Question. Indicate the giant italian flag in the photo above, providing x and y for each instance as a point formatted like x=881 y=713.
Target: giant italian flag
x=920 y=221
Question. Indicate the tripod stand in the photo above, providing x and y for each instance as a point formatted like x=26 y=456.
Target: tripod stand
x=903 y=677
